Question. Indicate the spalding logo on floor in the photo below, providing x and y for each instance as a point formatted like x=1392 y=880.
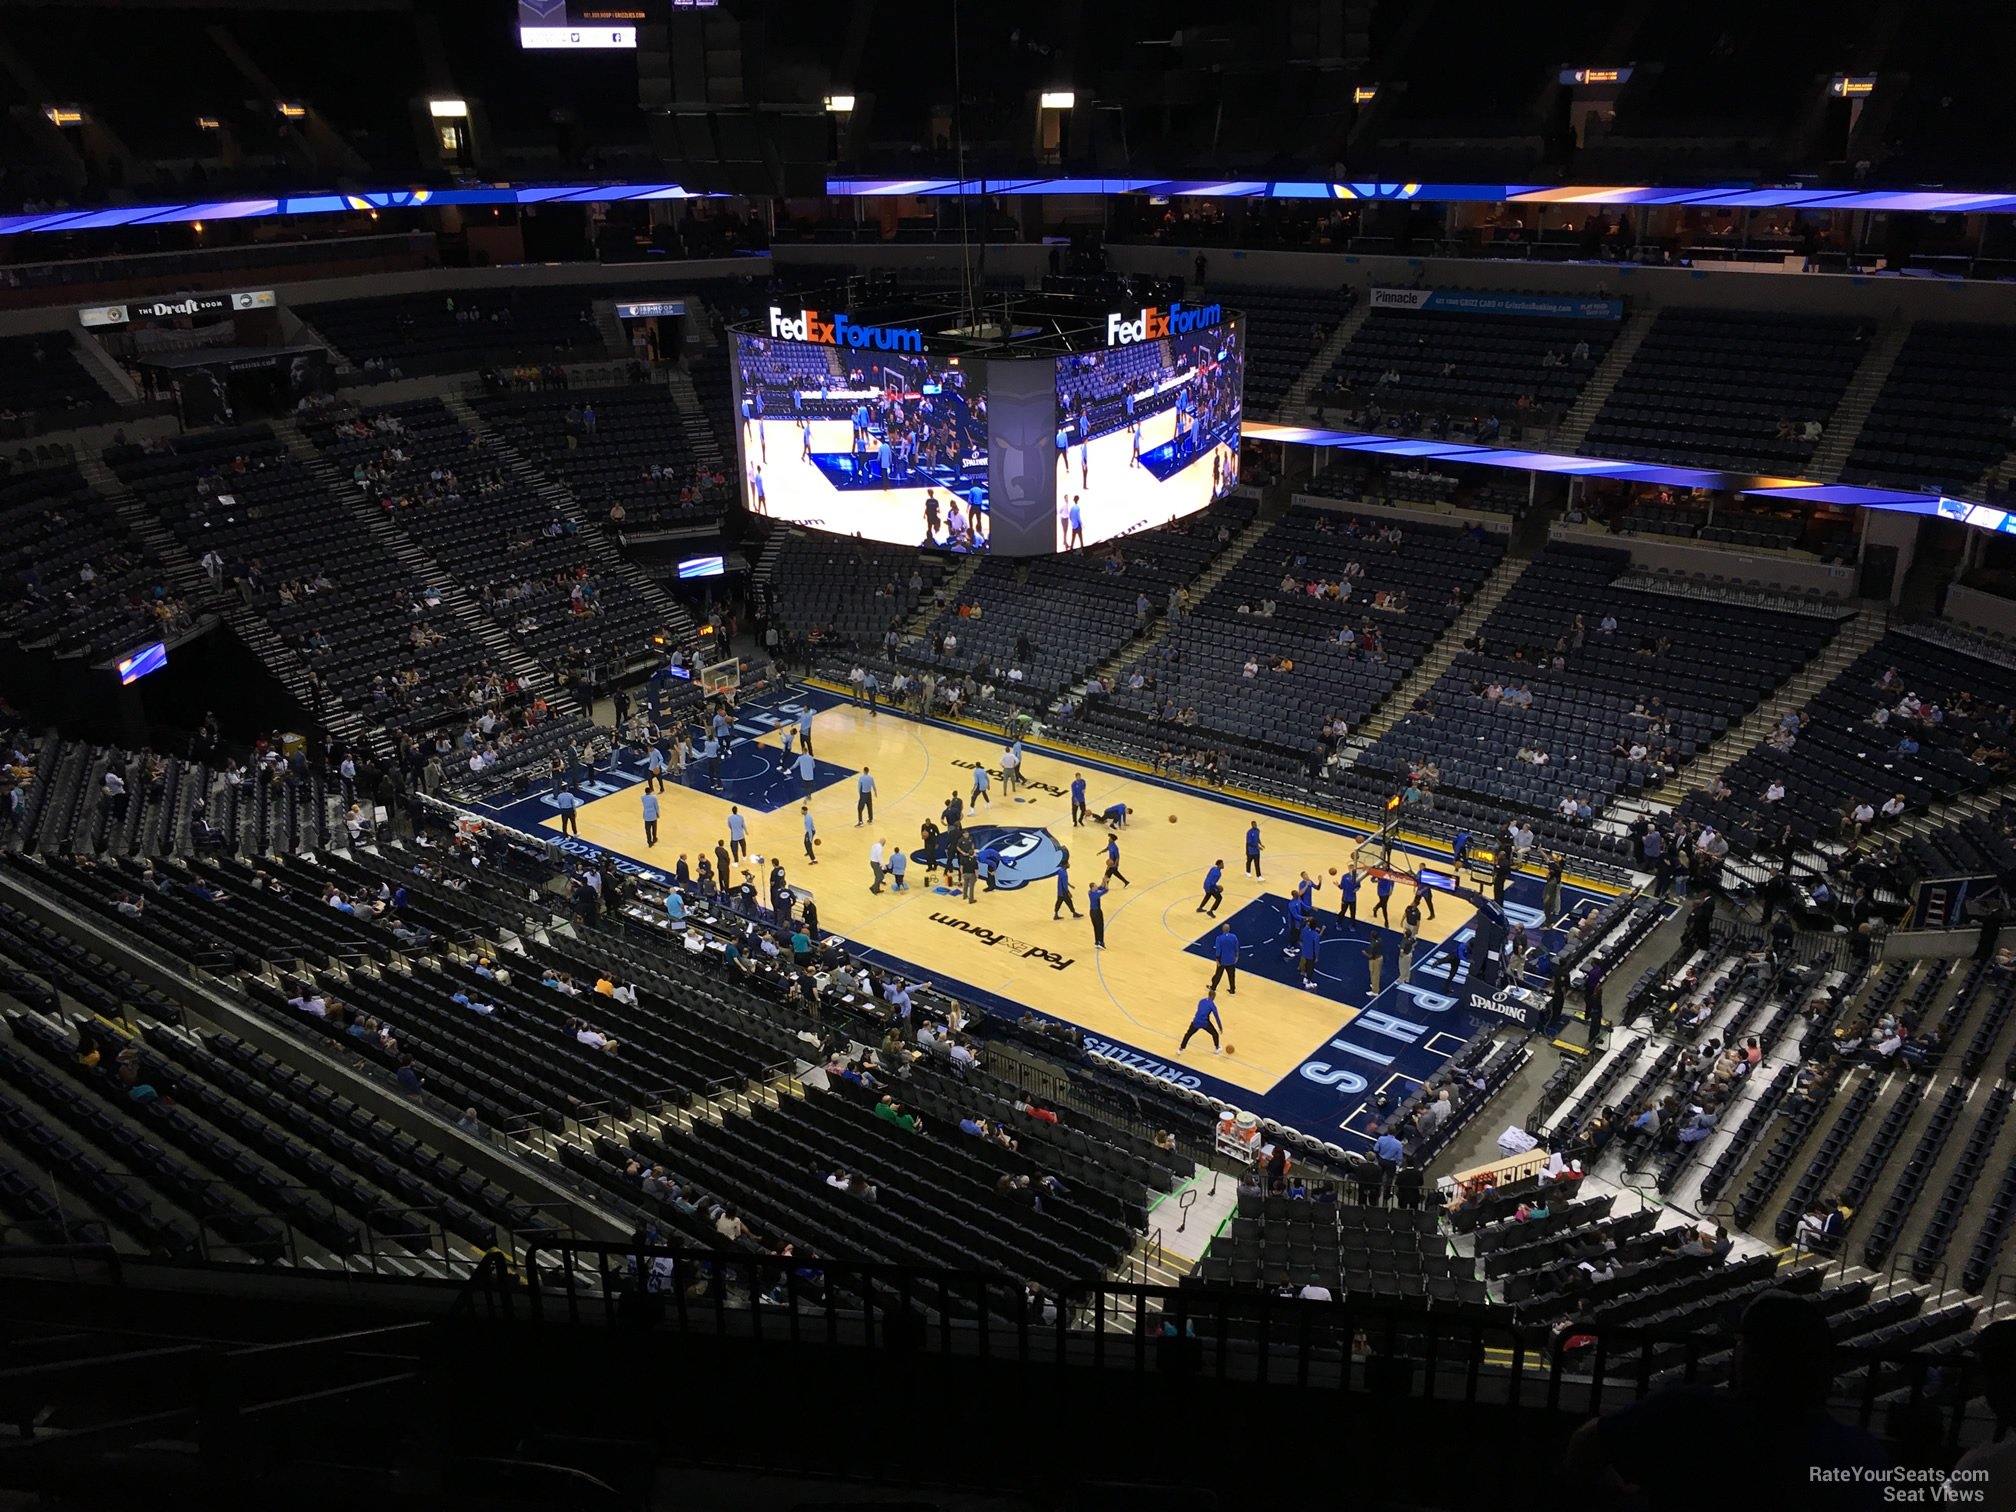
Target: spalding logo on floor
x=1027 y=855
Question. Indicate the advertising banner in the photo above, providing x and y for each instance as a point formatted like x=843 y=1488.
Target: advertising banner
x=1484 y=302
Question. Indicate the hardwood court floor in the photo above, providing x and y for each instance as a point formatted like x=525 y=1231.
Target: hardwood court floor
x=1141 y=989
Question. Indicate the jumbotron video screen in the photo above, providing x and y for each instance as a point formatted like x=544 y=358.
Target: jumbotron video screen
x=889 y=446
x=1148 y=427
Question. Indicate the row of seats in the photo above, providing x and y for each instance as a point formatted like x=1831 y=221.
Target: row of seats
x=1711 y=388
x=1466 y=363
x=634 y=429
x=1704 y=676
x=75 y=578
x=239 y=494
x=521 y=558
x=461 y=332
x=1941 y=420
x=1841 y=756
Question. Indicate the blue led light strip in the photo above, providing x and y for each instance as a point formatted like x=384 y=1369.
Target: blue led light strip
x=329 y=203
x=1795 y=490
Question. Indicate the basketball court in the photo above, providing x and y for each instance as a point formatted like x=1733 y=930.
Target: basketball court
x=1316 y=1059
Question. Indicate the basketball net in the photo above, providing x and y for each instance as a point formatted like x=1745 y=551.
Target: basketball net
x=721 y=679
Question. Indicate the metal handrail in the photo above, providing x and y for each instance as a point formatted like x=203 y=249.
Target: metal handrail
x=1630 y=1179
x=1105 y=1322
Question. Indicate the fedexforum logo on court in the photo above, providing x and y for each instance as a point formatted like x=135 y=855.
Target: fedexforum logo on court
x=1028 y=782
x=988 y=936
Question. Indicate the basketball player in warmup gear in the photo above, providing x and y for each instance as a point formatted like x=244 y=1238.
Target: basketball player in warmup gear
x=1312 y=941
x=1347 y=894
x=1385 y=900
x=1253 y=849
x=1063 y=894
x=811 y=834
x=1225 y=949
x=1113 y=860
x=1214 y=888
x=1095 y=895
x=1423 y=894
x=1306 y=889
x=1205 y=1018
x=980 y=782
x=1298 y=916
x=1116 y=816
x=1078 y=810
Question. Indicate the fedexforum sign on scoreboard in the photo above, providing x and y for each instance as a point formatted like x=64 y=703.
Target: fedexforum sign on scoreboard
x=175 y=307
x=1154 y=322
x=835 y=329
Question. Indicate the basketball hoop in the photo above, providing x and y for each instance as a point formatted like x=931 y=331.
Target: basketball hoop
x=722 y=679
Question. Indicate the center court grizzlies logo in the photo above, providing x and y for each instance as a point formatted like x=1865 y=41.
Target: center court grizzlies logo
x=1027 y=855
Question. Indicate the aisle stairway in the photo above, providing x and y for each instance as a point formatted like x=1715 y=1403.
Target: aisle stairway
x=612 y=568
x=614 y=337
x=185 y=575
x=340 y=364
x=1582 y=414
x=189 y=579
x=1854 y=637
x=1299 y=402
x=954 y=583
x=1438 y=660
x=503 y=647
x=699 y=430
x=1844 y=426
x=1199 y=586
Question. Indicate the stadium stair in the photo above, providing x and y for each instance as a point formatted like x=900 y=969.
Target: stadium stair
x=211 y=1002
x=614 y=337
x=765 y=570
x=1984 y=807
x=1856 y=636
x=99 y=363
x=187 y=577
x=282 y=660
x=686 y=400
x=1438 y=660
x=1575 y=427
x=1199 y=587
x=954 y=583
x=1845 y=426
x=611 y=566
x=339 y=361
x=501 y=644
x=2003 y=473
x=1298 y=402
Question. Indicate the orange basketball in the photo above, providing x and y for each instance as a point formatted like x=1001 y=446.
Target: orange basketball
x=1333 y=871
x=1172 y=818
x=1230 y=1051
x=816 y=841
